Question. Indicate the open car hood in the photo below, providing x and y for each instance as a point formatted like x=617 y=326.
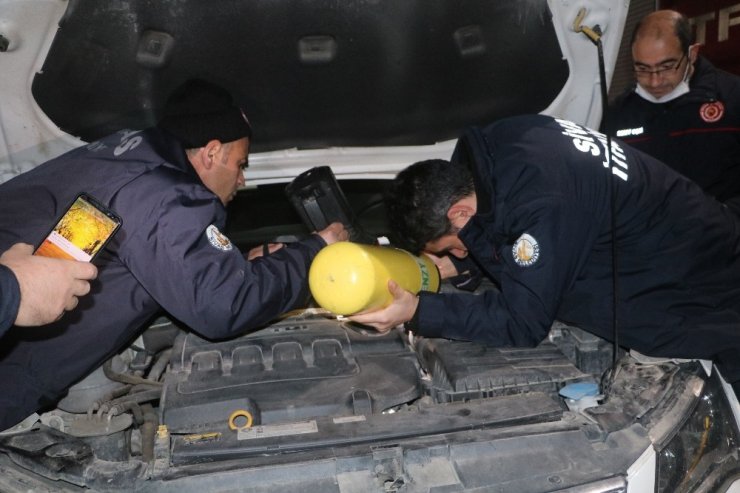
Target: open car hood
x=405 y=77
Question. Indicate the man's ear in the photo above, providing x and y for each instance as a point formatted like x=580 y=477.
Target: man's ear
x=694 y=52
x=210 y=153
x=460 y=213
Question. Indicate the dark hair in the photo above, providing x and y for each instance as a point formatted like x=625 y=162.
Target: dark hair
x=683 y=32
x=681 y=28
x=418 y=199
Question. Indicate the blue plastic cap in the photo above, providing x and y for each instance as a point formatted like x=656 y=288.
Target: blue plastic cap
x=579 y=390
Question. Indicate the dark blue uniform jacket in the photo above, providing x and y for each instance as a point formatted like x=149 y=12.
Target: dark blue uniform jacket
x=10 y=299
x=160 y=259
x=697 y=134
x=543 y=231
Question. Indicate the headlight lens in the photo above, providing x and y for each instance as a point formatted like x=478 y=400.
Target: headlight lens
x=704 y=451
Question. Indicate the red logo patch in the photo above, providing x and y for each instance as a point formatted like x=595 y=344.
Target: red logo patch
x=712 y=112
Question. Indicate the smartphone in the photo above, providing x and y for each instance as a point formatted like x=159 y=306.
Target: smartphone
x=82 y=232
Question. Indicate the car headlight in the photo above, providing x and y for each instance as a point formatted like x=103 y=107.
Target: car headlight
x=703 y=452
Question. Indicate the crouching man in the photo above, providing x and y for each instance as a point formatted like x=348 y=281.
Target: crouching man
x=529 y=200
x=170 y=185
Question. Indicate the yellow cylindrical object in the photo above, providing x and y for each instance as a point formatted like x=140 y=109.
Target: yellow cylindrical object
x=347 y=278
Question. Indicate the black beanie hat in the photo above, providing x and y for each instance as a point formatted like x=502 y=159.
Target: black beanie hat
x=199 y=111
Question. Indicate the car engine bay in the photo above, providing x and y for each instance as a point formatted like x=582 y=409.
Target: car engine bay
x=311 y=388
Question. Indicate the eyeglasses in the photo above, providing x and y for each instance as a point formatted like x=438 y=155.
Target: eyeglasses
x=661 y=71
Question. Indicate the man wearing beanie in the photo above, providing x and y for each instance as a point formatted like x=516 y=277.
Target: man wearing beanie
x=170 y=185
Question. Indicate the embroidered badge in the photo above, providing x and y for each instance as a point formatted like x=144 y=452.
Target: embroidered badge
x=526 y=250
x=712 y=112
x=218 y=239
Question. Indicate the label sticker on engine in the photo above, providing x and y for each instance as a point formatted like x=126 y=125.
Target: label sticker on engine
x=281 y=430
x=348 y=419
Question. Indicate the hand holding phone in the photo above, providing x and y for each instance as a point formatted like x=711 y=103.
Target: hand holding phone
x=82 y=231
x=48 y=287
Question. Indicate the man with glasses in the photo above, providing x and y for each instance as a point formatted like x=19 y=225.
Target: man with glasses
x=682 y=109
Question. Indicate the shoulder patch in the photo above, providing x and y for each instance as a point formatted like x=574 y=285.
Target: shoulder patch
x=218 y=239
x=525 y=251
x=712 y=112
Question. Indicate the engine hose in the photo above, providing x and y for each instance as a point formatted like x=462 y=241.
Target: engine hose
x=142 y=387
x=106 y=398
x=124 y=377
x=159 y=366
x=122 y=404
x=133 y=407
x=148 y=431
x=135 y=411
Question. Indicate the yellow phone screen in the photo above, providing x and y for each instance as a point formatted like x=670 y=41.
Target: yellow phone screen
x=80 y=233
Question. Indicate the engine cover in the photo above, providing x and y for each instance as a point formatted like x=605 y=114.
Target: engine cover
x=296 y=369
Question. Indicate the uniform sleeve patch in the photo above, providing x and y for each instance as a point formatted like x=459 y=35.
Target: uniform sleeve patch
x=525 y=251
x=712 y=112
x=218 y=239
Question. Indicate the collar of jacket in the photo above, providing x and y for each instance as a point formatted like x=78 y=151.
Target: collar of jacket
x=170 y=150
x=703 y=82
x=472 y=150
